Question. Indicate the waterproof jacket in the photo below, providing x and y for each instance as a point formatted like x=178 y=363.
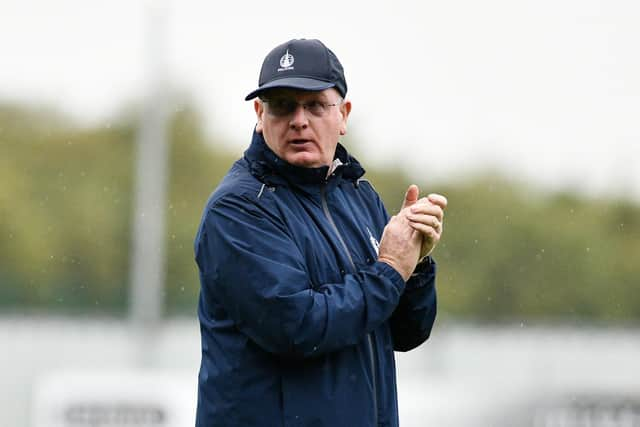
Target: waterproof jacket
x=298 y=319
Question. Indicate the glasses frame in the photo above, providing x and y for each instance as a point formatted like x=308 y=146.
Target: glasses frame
x=306 y=106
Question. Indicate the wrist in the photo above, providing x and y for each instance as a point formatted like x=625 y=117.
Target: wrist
x=396 y=266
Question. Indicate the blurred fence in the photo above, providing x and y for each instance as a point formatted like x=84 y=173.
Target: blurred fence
x=464 y=376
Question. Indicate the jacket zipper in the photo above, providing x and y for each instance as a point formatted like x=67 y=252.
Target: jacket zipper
x=325 y=208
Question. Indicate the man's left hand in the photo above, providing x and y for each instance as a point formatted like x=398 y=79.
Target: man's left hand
x=426 y=216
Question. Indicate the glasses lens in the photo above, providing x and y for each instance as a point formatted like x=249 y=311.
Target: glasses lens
x=282 y=107
x=316 y=108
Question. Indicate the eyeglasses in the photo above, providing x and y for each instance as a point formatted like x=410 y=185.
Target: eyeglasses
x=281 y=107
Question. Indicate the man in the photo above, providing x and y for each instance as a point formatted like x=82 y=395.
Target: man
x=300 y=307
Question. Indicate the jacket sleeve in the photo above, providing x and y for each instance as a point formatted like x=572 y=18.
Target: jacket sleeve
x=413 y=318
x=251 y=266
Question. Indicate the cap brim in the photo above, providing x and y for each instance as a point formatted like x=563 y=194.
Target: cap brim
x=301 y=83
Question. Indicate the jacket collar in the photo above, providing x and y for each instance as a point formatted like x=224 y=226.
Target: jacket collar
x=272 y=170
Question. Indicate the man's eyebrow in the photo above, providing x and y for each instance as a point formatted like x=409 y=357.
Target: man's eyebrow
x=318 y=97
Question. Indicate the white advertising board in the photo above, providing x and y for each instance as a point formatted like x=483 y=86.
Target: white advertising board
x=114 y=399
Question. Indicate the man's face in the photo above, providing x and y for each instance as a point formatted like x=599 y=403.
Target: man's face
x=302 y=136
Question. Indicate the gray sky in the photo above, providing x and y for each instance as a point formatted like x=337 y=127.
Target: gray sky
x=546 y=91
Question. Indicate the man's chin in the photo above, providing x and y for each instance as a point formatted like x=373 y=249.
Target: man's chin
x=305 y=160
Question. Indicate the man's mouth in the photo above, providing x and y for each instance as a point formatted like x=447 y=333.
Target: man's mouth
x=299 y=141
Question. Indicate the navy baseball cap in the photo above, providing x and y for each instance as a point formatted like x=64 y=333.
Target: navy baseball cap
x=301 y=64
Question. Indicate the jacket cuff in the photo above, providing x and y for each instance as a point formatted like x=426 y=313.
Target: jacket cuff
x=390 y=273
x=423 y=275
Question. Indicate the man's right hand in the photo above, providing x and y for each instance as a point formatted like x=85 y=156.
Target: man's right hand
x=400 y=243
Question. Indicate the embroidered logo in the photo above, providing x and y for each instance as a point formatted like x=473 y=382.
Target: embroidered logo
x=374 y=242
x=286 y=62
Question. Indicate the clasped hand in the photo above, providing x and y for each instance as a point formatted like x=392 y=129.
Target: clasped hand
x=414 y=232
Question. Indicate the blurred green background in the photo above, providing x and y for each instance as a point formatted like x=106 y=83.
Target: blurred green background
x=510 y=252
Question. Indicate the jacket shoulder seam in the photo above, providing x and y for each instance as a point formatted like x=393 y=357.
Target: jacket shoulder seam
x=368 y=182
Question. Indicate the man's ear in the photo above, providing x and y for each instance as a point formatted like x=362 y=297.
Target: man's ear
x=259 y=109
x=345 y=110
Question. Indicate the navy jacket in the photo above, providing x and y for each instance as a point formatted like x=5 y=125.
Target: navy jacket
x=298 y=319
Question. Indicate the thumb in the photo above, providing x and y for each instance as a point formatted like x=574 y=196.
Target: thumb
x=411 y=196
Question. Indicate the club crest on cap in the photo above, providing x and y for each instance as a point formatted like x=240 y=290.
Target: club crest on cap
x=286 y=62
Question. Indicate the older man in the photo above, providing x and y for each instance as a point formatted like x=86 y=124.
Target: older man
x=307 y=285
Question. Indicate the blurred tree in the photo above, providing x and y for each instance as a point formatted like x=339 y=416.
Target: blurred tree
x=508 y=254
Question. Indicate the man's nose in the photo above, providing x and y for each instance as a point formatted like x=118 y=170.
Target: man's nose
x=299 y=118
